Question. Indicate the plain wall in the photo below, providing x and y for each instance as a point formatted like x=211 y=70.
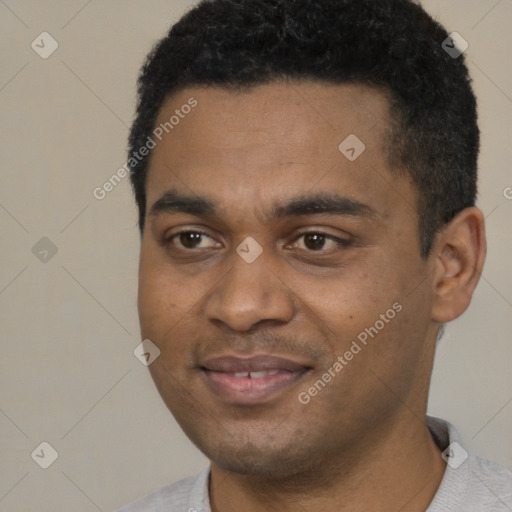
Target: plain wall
x=69 y=324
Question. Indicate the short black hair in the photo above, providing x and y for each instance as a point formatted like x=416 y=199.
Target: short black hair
x=390 y=44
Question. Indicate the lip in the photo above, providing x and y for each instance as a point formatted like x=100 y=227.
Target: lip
x=266 y=376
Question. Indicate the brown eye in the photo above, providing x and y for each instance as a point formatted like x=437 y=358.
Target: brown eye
x=314 y=241
x=190 y=240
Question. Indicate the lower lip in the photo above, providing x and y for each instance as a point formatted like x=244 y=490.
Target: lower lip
x=246 y=390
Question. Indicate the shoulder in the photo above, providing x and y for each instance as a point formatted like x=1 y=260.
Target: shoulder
x=491 y=484
x=470 y=483
x=187 y=495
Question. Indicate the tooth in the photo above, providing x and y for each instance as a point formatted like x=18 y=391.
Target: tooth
x=258 y=375
x=272 y=372
x=241 y=374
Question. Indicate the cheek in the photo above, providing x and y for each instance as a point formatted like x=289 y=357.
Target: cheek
x=351 y=298
x=159 y=299
x=167 y=298
x=166 y=319
x=371 y=301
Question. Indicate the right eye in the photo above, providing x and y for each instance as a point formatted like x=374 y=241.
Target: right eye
x=189 y=240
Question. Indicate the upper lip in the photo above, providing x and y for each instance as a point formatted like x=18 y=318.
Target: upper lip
x=257 y=363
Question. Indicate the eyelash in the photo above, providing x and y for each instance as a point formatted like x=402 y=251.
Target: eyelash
x=341 y=243
x=167 y=241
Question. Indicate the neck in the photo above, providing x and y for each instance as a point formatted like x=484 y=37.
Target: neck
x=397 y=467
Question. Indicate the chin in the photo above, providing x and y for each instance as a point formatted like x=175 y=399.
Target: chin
x=257 y=458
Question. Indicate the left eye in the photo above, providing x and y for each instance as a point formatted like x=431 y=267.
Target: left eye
x=193 y=240
x=317 y=242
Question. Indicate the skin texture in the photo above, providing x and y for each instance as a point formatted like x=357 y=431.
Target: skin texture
x=361 y=443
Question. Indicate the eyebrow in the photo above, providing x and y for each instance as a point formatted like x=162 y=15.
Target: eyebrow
x=174 y=202
x=330 y=204
x=333 y=204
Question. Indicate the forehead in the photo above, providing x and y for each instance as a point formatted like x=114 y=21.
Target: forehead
x=273 y=138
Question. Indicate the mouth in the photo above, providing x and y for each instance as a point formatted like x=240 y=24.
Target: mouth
x=253 y=380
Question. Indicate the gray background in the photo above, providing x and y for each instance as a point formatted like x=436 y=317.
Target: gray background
x=69 y=324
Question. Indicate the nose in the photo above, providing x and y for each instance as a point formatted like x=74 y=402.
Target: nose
x=250 y=295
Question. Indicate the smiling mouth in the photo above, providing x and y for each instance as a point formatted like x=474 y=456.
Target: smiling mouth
x=255 y=375
x=251 y=380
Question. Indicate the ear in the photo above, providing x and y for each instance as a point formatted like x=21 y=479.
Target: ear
x=459 y=255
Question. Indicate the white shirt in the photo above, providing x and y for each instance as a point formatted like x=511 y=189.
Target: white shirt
x=470 y=484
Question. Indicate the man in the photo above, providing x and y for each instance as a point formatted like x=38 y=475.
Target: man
x=305 y=174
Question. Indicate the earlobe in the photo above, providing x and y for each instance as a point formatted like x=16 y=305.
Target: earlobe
x=459 y=257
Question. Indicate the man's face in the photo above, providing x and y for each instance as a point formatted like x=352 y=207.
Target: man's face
x=245 y=337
